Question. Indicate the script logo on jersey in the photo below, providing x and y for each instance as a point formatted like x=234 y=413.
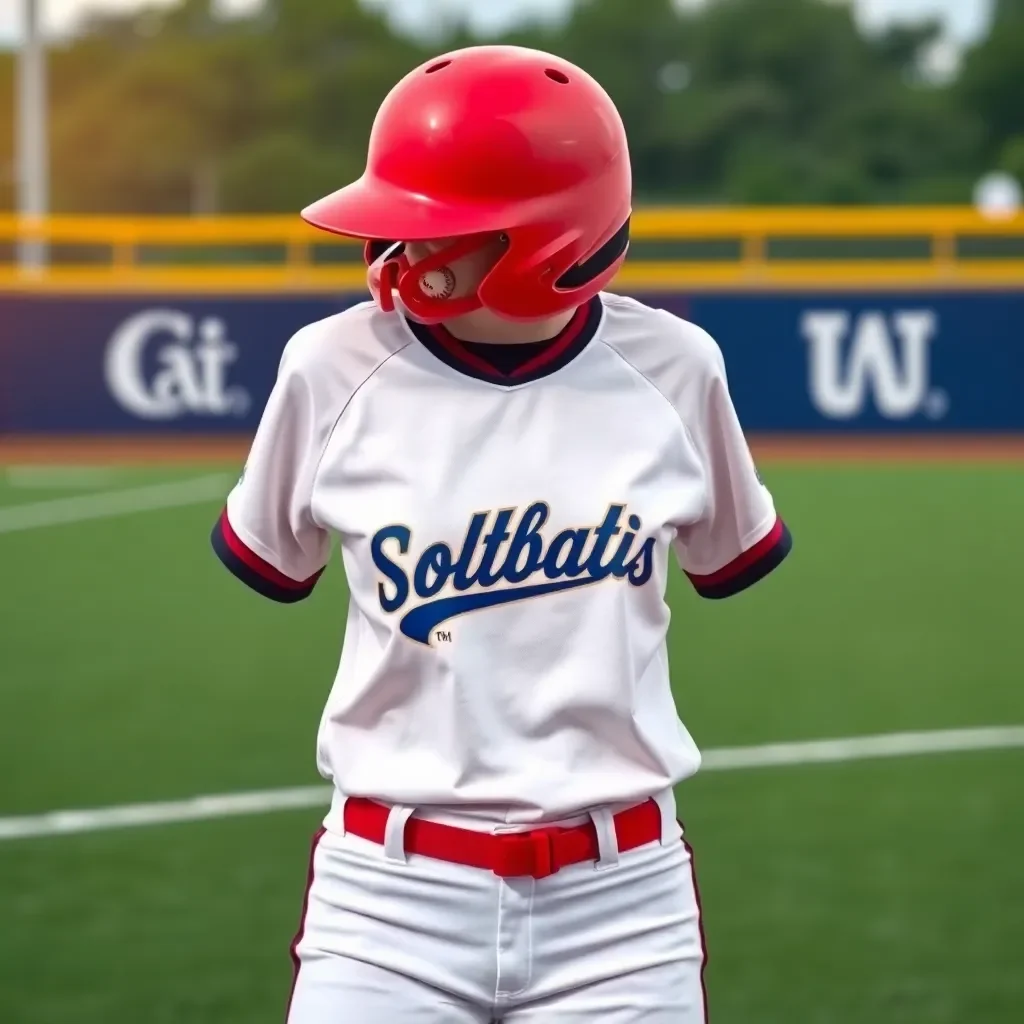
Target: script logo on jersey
x=162 y=364
x=505 y=556
x=887 y=355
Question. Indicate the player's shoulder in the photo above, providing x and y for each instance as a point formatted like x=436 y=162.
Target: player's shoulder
x=349 y=344
x=673 y=354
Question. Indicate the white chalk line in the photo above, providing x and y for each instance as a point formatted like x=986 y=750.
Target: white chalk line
x=109 y=504
x=68 y=478
x=772 y=755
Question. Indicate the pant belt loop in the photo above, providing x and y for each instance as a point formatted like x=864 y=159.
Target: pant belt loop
x=607 y=843
x=339 y=813
x=394 y=832
x=666 y=801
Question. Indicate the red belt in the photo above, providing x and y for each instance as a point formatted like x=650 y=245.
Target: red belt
x=536 y=854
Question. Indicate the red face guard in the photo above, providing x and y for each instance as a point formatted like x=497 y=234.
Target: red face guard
x=392 y=274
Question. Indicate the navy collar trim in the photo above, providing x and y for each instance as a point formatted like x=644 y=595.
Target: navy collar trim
x=560 y=351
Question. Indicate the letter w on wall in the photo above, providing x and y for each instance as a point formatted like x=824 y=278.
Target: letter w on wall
x=898 y=380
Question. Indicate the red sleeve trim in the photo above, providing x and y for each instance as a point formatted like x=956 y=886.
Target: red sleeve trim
x=257 y=564
x=747 y=568
x=743 y=561
x=254 y=571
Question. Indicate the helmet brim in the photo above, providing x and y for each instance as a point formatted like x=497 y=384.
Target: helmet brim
x=374 y=210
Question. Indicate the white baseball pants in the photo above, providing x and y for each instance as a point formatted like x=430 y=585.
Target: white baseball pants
x=387 y=938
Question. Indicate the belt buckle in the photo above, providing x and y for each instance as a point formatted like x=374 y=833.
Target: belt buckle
x=525 y=854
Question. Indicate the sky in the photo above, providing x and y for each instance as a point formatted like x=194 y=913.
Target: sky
x=965 y=19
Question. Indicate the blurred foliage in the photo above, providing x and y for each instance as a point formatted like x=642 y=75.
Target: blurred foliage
x=738 y=101
x=6 y=131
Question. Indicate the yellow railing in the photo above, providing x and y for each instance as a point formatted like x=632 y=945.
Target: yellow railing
x=122 y=251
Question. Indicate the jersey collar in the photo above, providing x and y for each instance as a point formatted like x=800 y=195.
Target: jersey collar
x=561 y=350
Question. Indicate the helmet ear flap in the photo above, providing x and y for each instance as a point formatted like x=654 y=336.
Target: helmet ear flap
x=388 y=285
x=383 y=261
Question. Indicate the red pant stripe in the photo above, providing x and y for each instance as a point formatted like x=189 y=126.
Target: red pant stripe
x=294 y=948
x=700 y=926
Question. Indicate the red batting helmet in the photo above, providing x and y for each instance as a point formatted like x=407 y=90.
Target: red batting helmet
x=483 y=141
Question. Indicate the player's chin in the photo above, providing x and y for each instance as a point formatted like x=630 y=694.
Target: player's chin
x=440 y=313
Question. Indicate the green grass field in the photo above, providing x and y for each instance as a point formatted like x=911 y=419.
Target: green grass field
x=133 y=668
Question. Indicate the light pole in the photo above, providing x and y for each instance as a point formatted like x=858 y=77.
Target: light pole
x=31 y=157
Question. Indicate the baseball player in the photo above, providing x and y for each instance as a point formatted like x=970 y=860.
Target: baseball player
x=508 y=456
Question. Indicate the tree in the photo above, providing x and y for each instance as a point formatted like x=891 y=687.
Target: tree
x=990 y=89
x=734 y=101
x=156 y=109
x=768 y=100
x=7 y=170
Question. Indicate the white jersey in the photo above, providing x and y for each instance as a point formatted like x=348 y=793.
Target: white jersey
x=506 y=544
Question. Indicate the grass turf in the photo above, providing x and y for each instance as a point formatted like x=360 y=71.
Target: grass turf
x=133 y=668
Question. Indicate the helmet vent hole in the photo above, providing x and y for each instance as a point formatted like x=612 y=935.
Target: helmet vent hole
x=438 y=66
x=557 y=76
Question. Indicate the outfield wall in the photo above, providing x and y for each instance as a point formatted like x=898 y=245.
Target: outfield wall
x=812 y=362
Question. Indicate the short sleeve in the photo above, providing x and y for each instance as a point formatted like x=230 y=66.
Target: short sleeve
x=267 y=536
x=739 y=538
